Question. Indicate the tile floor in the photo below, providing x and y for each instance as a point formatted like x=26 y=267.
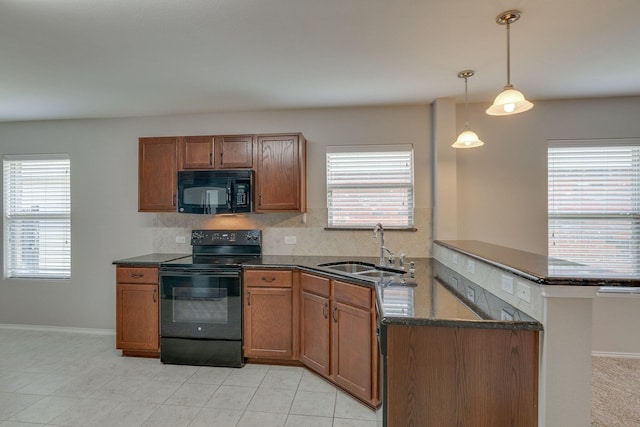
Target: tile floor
x=74 y=379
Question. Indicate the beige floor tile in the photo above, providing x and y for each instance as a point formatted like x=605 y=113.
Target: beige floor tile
x=313 y=403
x=231 y=397
x=271 y=400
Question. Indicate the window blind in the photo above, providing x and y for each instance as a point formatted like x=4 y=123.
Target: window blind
x=370 y=184
x=594 y=203
x=37 y=216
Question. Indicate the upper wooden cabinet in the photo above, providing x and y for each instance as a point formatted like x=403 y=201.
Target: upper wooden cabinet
x=279 y=162
x=196 y=152
x=280 y=173
x=216 y=152
x=234 y=151
x=157 y=174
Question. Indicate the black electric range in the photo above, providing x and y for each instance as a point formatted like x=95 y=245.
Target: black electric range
x=201 y=299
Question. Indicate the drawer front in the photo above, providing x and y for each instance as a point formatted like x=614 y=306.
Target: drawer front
x=268 y=278
x=355 y=295
x=137 y=275
x=316 y=285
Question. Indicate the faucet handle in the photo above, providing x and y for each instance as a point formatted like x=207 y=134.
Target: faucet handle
x=412 y=269
x=392 y=259
x=401 y=261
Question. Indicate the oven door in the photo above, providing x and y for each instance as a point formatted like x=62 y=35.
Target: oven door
x=201 y=304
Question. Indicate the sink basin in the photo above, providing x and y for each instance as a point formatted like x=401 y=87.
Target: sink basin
x=350 y=267
x=379 y=274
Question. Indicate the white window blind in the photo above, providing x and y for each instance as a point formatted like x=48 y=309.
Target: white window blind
x=370 y=184
x=37 y=216
x=594 y=203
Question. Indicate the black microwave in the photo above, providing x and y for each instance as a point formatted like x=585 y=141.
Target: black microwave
x=215 y=191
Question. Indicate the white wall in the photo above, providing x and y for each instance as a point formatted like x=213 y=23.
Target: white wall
x=502 y=187
x=106 y=225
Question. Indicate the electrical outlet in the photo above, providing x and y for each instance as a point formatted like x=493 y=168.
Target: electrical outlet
x=524 y=292
x=471 y=294
x=290 y=240
x=181 y=239
x=507 y=284
x=471 y=266
x=505 y=315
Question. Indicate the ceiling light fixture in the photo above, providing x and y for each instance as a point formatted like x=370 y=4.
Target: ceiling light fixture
x=468 y=138
x=509 y=101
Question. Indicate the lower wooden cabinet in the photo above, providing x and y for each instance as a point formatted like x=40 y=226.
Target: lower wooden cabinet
x=137 y=311
x=268 y=314
x=338 y=335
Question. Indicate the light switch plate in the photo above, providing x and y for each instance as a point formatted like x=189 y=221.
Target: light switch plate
x=471 y=266
x=181 y=239
x=290 y=240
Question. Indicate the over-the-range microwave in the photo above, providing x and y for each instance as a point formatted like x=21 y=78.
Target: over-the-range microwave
x=215 y=191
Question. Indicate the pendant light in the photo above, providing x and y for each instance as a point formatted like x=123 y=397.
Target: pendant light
x=510 y=101
x=468 y=138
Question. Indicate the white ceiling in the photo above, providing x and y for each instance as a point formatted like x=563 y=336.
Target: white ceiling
x=114 y=58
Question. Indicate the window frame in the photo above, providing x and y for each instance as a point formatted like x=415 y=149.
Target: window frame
x=50 y=193
x=606 y=212
x=406 y=150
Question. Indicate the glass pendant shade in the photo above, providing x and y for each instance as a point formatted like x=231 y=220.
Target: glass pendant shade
x=467 y=139
x=509 y=101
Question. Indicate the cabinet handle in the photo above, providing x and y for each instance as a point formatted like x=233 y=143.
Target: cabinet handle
x=210 y=159
x=335 y=314
x=221 y=157
x=325 y=314
x=155 y=295
x=259 y=199
x=137 y=275
x=268 y=279
x=248 y=298
x=173 y=199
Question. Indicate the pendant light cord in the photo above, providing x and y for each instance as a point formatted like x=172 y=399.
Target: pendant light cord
x=508 y=55
x=466 y=105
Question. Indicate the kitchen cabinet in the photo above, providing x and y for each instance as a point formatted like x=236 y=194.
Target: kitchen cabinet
x=216 y=152
x=137 y=311
x=268 y=314
x=315 y=323
x=338 y=335
x=157 y=174
x=196 y=152
x=280 y=173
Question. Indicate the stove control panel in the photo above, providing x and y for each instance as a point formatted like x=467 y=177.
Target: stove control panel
x=226 y=237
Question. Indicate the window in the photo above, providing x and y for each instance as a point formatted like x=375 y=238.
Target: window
x=37 y=217
x=370 y=184
x=594 y=203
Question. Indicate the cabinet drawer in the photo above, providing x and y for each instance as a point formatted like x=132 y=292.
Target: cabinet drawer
x=316 y=285
x=268 y=278
x=136 y=275
x=355 y=295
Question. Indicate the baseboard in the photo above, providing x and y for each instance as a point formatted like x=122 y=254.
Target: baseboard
x=615 y=355
x=91 y=331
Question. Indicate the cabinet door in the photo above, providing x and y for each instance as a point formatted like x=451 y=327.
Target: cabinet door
x=315 y=332
x=137 y=317
x=234 y=151
x=280 y=176
x=157 y=174
x=352 y=349
x=197 y=152
x=268 y=325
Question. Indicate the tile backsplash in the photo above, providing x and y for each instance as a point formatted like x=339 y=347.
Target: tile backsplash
x=308 y=229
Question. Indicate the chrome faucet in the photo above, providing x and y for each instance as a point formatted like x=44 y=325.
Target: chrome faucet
x=377 y=228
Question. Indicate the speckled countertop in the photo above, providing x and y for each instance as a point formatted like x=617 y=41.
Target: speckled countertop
x=151 y=259
x=436 y=296
x=539 y=268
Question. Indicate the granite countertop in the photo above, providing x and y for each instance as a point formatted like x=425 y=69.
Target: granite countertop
x=539 y=268
x=154 y=259
x=436 y=296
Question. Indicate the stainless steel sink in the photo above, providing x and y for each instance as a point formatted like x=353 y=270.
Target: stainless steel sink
x=352 y=267
x=379 y=274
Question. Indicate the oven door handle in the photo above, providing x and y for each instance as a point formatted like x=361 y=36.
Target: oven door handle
x=189 y=272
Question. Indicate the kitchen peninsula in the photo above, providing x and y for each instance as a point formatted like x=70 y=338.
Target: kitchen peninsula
x=434 y=301
x=555 y=292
